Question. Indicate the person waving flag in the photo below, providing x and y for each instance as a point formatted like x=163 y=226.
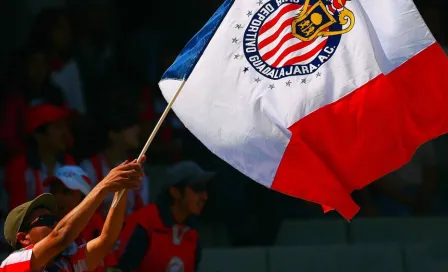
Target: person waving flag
x=312 y=98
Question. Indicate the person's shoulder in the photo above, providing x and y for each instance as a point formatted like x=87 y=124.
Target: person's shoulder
x=21 y=256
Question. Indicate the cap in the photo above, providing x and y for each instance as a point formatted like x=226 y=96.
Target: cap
x=15 y=218
x=73 y=177
x=42 y=114
x=187 y=172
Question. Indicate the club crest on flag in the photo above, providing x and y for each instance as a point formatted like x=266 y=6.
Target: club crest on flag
x=295 y=37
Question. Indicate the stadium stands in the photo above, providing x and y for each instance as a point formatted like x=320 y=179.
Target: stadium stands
x=365 y=245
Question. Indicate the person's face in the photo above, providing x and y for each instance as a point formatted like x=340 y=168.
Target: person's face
x=55 y=137
x=62 y=34
x=66 y=199
x=128 y=138
x=36 y=227
x=194 y=198
x=36 y=69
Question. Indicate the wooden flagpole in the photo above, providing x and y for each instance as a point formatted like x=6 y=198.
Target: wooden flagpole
x=152 y=136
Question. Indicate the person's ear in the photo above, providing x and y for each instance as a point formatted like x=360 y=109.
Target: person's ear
x=23 y=239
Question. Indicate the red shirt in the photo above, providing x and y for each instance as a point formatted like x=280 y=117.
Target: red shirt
x=71 y=260
x=12 y=124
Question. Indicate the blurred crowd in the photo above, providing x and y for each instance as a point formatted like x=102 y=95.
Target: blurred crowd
x=82 y=90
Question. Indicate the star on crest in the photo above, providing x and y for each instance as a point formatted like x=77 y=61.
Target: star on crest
x=257 y=80
x=303 y=81
x=260 y=2
x=272 y=86
x=234 y=40
x=318 y=74
x=288 y=83
x=249 y=13
x=237 y=56
x=245 y=69
x=239 y=26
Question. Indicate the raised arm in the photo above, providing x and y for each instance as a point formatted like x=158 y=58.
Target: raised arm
x=124 y=176
x=97 y=249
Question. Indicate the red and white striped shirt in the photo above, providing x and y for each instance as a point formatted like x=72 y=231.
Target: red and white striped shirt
x=70 y=260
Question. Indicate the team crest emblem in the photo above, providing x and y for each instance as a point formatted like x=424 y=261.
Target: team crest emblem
x=295 y=37
x=175 y=265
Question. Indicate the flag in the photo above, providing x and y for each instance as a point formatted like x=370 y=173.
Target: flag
x=313 y=98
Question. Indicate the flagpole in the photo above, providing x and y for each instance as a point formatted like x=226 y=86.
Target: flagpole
x=152 y=136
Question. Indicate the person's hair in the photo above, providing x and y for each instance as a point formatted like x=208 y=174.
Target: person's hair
x=31 y=140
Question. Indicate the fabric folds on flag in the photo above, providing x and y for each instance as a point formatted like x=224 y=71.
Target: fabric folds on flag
x=313 y=98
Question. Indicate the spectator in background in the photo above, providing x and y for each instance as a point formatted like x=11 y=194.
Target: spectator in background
x=52 y=33
x=120 y=136
x=29 y=84
x=47 y=133
x=162 y=236
x=70 y=185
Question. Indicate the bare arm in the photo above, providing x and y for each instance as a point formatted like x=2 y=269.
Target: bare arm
x=69 y=228
x=97 y=249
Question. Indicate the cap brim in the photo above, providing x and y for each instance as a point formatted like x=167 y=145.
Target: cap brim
x=204 y=177
x=46 y=201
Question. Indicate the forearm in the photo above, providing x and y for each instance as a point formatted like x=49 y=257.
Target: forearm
x=114 y=221
x=98 y=248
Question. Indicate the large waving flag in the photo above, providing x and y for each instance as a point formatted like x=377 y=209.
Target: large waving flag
x=313 y=98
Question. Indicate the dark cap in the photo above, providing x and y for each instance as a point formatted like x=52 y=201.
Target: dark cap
x=15 y=218
x=186 y=173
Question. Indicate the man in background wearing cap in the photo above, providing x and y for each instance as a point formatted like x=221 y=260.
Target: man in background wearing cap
x=161 y=236
x=43 y=244
x=69 y=186
x=48 y=135
x=120 y=137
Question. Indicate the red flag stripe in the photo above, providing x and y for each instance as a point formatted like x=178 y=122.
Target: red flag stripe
x=274 y=36
x=304 y=56
x=364 y=127
x=274 y=51
x=287 y=8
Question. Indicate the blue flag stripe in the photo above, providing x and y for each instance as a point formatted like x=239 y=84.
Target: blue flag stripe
x=189 y=56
